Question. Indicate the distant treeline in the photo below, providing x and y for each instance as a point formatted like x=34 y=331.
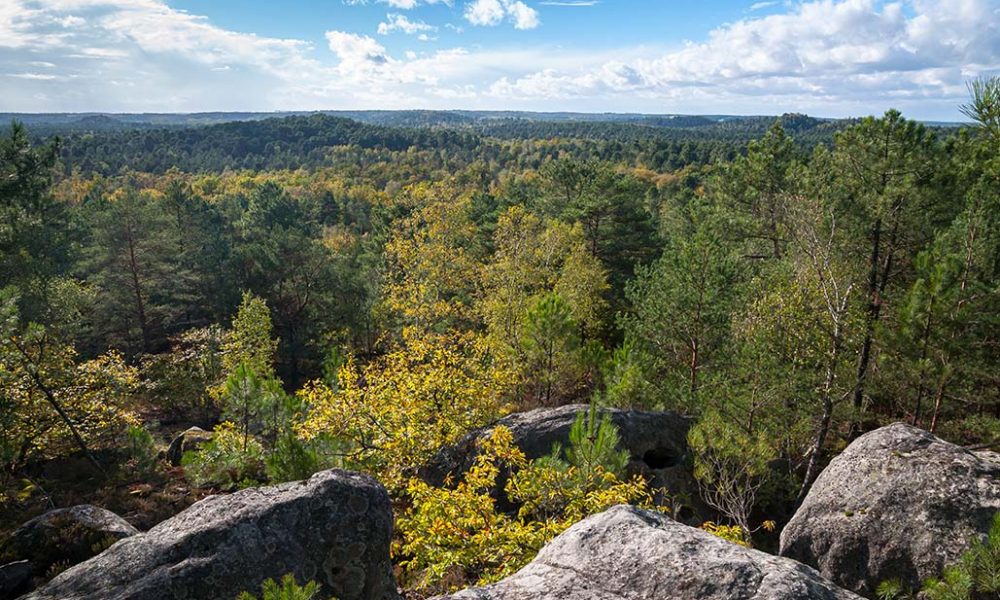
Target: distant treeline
x=106 y=145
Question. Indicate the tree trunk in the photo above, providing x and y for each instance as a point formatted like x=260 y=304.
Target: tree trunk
x=874 y=309
x=140 y=304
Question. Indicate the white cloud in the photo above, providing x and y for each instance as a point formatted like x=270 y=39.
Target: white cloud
x=38 y=76
x=357 y=53
x=523 y=15
x=828 y=57
x=485 y=12
x=489 y=13
x=401 y=4
x=398 y=22
x=821 y=54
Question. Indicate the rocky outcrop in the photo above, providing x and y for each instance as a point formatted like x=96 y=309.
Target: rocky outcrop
x=897 y=503
x=191 y=439
x=65 y=537
x=630 y=553
x=15 y=579
x=334 y=528
x=656 y=442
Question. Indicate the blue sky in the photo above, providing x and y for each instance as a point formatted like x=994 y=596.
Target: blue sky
x=823 y=57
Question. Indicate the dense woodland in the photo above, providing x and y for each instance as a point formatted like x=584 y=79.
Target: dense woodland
x=324 y=292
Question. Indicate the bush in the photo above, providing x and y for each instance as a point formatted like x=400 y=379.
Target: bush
x=231 y=460
x=455 y=537
x=287 y=589
x=180 y=379
x=142 y=450
x=731 y=467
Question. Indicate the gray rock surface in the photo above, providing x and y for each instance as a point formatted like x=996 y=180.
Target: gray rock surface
x=65 y=537
x=15 y=579
x=190 y=439
x=656 y=442
x=627 y=553
x=899 y=502
x=334 y=528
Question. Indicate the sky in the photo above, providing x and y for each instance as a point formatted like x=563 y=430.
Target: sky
x=831 y=58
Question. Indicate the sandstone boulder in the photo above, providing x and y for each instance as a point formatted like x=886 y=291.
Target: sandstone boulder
x=334 y=528
x=899 y=502
x=655 y=441
x=65 y=537
x=629 y=553
x=15 y=579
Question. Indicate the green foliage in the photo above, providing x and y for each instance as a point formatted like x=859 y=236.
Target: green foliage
x=250 y=402
x=229 y=461
x=133 y=260
x=249 y=343
x=984 y=106
x=976 y=576
x=286 y=589
x=682 y=307
x=550 y=345
x=142 y=450
x=731 y=467
x=35 y=240
x=892 y=589
x=182 y=379
x=594 y=444
x=629 y=378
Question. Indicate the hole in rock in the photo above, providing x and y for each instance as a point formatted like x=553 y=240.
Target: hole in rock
x=660 y=458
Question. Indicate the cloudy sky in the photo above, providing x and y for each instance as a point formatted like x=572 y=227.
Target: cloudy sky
x=824 y=57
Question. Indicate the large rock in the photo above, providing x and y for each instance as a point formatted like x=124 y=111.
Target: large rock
x=897 y=503
x=629 y=553
x=655 y=441
x=15 y=579
x=65 y=537
x=334 y=528
x=190 y=439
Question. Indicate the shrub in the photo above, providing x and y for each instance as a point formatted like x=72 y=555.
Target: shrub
x=730 y=465
x=455 y=537
x=229 y=461
x=400 y=408
x=142 y=450
x=287 y=589
x=180 y=380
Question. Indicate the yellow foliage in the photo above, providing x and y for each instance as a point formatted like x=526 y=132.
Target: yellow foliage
x=453 y=537
x=434 y=271
x=534 y=256
x=399 y=409
x=731 y=533
x=95 y=395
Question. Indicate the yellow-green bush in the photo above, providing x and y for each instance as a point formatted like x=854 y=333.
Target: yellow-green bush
x=454 y=536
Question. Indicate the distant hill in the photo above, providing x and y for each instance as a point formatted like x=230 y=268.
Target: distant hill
x=45 y=124
x=109 y=143
x=252 y=144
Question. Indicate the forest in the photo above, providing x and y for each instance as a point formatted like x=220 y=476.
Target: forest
x=317 y=292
